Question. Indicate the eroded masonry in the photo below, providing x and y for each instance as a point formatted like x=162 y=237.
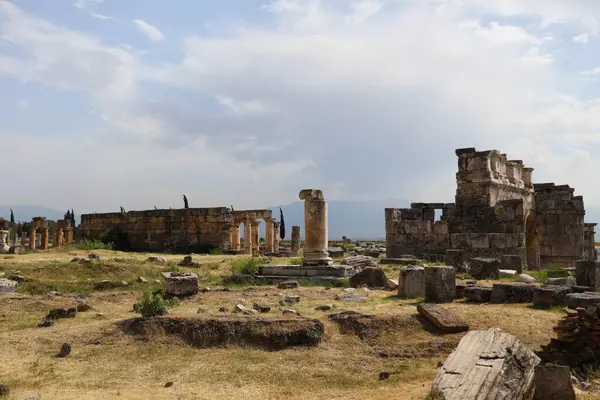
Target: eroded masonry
x=498 y=212
x=215 y=227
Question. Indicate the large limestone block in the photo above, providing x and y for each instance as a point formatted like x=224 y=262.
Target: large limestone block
x=509 y=293
x=440 y=284
x=553 y=382
x=548 y=296
x=372 y=277
x=411 y=282
x=484 y=268
x=487 y=365
x=478 y=294
x=445 y=320
x=587 y=273
x=180 y=284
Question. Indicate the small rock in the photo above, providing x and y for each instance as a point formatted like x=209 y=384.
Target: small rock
x=141 y=279
x=53 y=293
x=65 y=350
x=223 y=309
x=157 y=281
x=350 y=290
x=262 y=307
x=100 y=315
x=250 y=311
x=94 y=257
x=288 y=285
x=507 y=273
x=4 y=390
x=292 y=299
x=324 y=307
x=168 y=384
x=45 y=322
x=282 y=303
x=289 y=311
x=384 y=375
x=58 y=313
x=239 y=308
x=202 y=310
x=351 y=297
x=205 y=290
x=584 y=386
x=83 y=307
x=526 y=278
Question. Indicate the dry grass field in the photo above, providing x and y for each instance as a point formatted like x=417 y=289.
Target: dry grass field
x=107 y=363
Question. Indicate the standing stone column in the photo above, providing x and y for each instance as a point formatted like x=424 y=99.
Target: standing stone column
x=235 y=238
x=255 y=237
x=44 y=238
x=32 y=236
x=269 y=235
x=295 y=241
x=248 y=236
x=4 y=247
x=276 y=236
x=59 y=238
x=68 y=231
x=315 y=228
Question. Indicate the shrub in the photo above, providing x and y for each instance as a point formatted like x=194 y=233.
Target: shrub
x=296 y=261
x=247 y=266
x=93 y=244
x=151 y=305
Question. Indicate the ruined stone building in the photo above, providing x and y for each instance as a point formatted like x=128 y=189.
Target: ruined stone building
x=498 y=212
x=157 y=230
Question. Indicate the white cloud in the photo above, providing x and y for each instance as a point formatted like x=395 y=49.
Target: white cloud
x=151 y=31
x=583 y=38
x=363 y=9
x=86 y=4
x=102 y=16
x=358 y=109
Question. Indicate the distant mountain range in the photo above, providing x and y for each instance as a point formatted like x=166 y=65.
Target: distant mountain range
x=353 y=219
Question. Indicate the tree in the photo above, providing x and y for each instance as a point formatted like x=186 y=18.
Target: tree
x=281 y=225
x=12 y=216
x=67 y=215
x=185 y=202
x=123 y=210
x=73 y=223
x=232 y=208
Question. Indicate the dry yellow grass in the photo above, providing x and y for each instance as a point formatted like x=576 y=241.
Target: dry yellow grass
x=120 y=366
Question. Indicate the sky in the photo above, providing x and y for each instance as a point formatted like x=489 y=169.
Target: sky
x=110 y=103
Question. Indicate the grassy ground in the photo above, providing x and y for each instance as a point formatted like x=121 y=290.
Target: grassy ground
x=108 y=364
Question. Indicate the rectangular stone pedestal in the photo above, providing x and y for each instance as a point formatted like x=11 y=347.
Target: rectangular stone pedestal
x=307 y=270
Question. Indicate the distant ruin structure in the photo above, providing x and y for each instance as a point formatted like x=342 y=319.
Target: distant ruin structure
x=498 y=211
x=158 y=230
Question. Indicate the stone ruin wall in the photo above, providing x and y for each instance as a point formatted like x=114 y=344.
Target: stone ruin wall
x=498 y=211
x=155 y=230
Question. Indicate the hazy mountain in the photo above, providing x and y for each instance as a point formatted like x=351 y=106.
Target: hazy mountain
x=25 y=213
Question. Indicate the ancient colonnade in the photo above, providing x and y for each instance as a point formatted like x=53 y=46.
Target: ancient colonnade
x=251 y=220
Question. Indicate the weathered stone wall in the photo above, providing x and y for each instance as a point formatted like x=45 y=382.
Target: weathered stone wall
x=589 y=241
x=497 y=211
x=158 y=229
x=559 y=225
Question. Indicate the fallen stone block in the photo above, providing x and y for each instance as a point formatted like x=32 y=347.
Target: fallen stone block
x=180 y=284
x=484 y=268
x=548 y=296
x=188 y=262
x=440 y=284
x=262 y=307
x=587 y=273
x=411 y=283
x=7 y=286
x=107 y=284
x=335 y=252
x=507 y=293
x=585 y=299
x=352 y=297
x=507 y=273
x=511 y=261
x=478 y=294
x=460 y=291
x=58 y=313
x=371 y=277
x=568 y=281
x=157 y=259
x=443 y=319
x=487 y=365
x=526 y=278
x=553 y=382
x=288 y=285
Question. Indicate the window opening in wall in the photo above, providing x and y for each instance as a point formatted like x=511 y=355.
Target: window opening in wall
x=438 y=215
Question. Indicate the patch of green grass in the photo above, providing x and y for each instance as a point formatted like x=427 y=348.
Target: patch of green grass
x=93 y=244
x=541 y=275
x=247 y=266
x=213 y=266
x=296 y=261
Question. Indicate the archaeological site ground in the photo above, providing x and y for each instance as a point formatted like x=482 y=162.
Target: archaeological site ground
x=494 y=296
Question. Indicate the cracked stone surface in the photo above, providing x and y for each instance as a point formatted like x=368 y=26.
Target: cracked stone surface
x=487 y=365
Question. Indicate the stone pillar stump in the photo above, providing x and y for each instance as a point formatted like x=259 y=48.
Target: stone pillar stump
x=587 y=273
x=235 y=238
x=295 y=241
x=4 y=247
x=32 y=236
x=315 y=228
x=44 y=238
x=255 y=237
x=440 y=284
x=248 y=237
x=269 y=239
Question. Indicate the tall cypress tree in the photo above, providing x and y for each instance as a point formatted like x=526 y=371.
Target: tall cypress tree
x=281 y=225
x=12 y=216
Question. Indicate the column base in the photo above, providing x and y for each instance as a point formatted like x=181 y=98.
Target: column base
x=317 y=259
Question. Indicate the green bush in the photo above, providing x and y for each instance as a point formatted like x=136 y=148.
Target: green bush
x=296 y=261
x=93 y=244
x=247 y=266
x=151 y=305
